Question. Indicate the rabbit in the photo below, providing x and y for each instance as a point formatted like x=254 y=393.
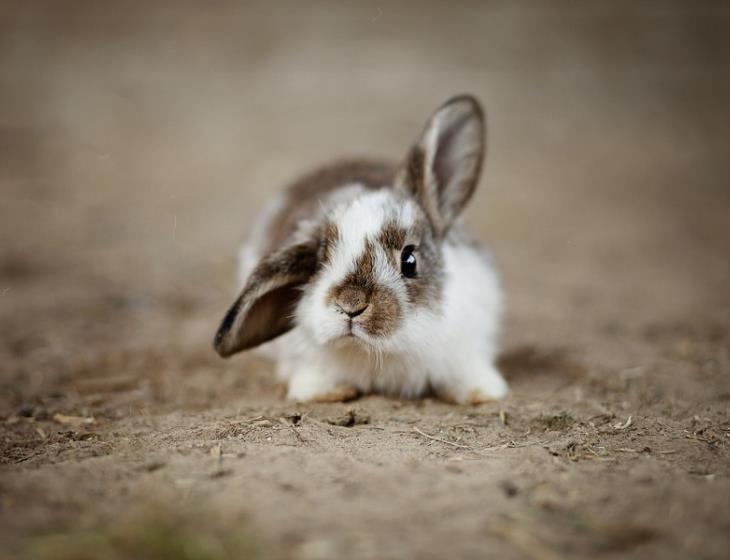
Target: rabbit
x=366 y=277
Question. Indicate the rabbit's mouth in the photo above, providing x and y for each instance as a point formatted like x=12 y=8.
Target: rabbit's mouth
x=353 y=334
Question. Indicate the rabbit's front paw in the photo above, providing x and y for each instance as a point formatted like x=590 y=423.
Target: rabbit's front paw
x=341 y=393
x=478 y=384
x=315 y=386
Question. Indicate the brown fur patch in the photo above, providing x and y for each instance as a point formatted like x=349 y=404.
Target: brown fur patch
x=384 y=313
x=298 y=261
x=393 y=239
x=362 y=275
x=357 y=287
x=330 y=234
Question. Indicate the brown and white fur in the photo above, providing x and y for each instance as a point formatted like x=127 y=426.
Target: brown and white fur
x=324 y=264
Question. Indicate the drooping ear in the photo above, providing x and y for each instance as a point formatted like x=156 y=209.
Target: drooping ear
x=265 y=308
x=442 y=168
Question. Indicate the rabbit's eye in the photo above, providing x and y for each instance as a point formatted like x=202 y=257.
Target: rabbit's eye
x=408 y=261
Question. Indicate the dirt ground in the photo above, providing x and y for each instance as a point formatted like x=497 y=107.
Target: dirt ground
x=137 y=141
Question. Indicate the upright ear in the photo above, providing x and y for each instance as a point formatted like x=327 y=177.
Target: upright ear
x=442 y=168
x=265 y=308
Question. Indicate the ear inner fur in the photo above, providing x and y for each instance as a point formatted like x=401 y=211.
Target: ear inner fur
x=442 y=169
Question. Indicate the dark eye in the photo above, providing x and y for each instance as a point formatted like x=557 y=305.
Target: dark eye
x=408 y=261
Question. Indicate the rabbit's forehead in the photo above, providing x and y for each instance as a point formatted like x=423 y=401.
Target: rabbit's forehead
x=366 y=216
x=368 y=225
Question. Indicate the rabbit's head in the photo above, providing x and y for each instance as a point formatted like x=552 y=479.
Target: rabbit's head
x=370 y=267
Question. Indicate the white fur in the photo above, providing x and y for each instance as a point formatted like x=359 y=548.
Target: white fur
x=450 y=346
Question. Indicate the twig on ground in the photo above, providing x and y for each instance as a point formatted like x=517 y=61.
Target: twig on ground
x=447 y=442
x=513 y=445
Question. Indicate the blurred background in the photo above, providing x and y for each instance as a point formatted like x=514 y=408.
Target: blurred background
x=138 y=140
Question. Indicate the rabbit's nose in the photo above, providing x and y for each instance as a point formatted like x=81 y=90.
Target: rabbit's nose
x=353 y=312
x=351 y=303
